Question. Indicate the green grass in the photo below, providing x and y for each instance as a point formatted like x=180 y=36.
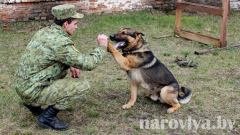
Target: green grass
x=215 y=82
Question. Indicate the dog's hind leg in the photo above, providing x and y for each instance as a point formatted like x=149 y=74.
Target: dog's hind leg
x=169 y=96
x=134 y=89
x=175 y=105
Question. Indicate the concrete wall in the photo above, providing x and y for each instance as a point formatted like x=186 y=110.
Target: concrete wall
x=235 y=4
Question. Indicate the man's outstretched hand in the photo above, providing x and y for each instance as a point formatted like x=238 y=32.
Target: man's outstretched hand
x=102 y=40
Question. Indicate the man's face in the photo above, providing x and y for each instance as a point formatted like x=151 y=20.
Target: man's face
x=71 y=27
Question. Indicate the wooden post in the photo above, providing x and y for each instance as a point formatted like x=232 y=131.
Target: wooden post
x=178 y=20
x=225 y=6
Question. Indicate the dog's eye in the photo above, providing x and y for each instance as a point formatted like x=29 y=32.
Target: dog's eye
x=123 y=33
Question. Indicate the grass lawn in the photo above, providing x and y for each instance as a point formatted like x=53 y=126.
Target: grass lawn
x=215 y=82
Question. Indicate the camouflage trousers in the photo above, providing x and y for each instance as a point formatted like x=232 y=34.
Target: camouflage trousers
x=61 y=93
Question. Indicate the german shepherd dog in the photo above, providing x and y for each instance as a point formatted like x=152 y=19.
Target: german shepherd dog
x=145 y=70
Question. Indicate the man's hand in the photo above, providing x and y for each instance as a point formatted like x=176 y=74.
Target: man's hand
x=75 y=72
x=102 y=40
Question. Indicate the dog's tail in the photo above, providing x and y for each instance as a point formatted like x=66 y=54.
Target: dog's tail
x=186 y=97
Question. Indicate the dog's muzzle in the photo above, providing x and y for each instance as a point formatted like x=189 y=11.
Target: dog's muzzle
x=112 y=37
x=119 y=44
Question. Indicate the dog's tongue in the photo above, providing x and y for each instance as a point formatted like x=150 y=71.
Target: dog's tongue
x=118 y=44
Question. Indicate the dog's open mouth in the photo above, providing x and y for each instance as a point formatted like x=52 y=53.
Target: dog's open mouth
x=119 y=45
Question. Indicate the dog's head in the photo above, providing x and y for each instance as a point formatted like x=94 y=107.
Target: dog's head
x=128 y=39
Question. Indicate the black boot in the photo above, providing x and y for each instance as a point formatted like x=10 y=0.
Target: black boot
x=35 y=110
x=48 y=119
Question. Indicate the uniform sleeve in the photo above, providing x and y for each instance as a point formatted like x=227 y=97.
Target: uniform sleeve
x=68 y=55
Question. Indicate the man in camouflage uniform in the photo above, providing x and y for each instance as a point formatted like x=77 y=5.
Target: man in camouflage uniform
x=44 y=63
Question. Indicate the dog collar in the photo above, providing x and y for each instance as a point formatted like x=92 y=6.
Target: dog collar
x=130 y=51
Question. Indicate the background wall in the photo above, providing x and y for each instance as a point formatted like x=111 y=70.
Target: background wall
x=25 y=10
x=217 y=3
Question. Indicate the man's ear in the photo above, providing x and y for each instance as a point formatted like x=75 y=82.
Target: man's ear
x=65 y=24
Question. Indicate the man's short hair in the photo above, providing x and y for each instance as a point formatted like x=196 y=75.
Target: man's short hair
x=60 y=22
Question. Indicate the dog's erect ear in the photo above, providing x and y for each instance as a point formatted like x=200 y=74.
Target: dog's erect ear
x=138 y=32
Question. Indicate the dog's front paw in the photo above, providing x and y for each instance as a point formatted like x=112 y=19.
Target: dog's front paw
x=127 y=106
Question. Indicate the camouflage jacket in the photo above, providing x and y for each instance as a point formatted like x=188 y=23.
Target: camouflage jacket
x=49 y=53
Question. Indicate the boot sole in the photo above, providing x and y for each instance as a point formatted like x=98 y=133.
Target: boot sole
x=48 y=127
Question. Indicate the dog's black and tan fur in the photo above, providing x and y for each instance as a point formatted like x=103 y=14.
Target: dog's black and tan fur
x=145 y=70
